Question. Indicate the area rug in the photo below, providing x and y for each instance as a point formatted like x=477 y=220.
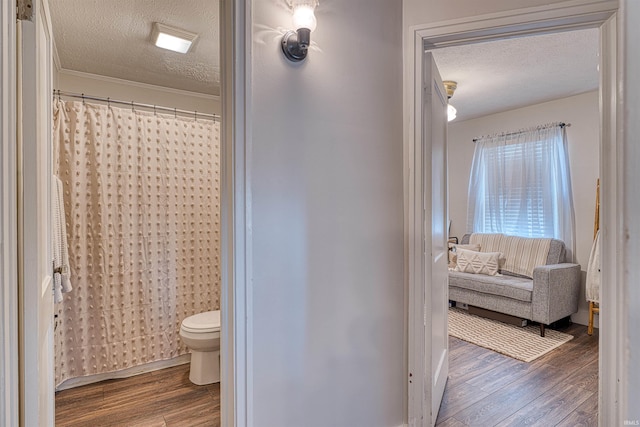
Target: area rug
x=522 y=343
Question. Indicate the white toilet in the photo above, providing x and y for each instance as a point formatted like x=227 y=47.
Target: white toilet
x=201 y=333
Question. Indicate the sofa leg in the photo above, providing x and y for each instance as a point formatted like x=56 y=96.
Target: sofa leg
x=542 y=329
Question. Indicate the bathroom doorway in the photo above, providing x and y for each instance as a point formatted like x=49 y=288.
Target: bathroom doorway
x=106 y=88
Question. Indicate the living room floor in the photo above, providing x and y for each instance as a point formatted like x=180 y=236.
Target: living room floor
x=488 y=389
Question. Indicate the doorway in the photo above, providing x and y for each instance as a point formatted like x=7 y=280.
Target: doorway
x=11 y=351
x=519 y=23
x=160 y=257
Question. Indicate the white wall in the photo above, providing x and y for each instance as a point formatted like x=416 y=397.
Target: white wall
x=582 y=112
x=327 y=208
x=124 y=90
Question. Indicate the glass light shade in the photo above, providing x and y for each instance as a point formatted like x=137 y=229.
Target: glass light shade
x=303 y=17
x=451 y=112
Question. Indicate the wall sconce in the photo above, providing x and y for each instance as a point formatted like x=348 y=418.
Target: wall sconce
x=450 y=87
x=296 y=43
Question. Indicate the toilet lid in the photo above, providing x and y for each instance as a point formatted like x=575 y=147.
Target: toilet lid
x=208 y=321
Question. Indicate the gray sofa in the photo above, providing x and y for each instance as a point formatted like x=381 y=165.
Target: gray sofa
x=550 y=295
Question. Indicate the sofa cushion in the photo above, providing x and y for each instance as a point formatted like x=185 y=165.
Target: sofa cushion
x=477 y=262
x=522 y=254
x=557 y=251
x=506 y=286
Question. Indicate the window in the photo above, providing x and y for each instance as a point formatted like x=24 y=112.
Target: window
x=520 y=184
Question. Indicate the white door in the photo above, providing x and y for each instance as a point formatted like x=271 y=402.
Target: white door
x=434 y=136
x=34 y=217
x=428 y=252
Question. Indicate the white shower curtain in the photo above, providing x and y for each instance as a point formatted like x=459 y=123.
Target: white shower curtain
x=141 y=194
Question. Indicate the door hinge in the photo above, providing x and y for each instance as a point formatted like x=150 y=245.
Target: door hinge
x=25 y=10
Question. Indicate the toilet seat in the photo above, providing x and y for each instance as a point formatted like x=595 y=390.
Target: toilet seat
x=206 y=322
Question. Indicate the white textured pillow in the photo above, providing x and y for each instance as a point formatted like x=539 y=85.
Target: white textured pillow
x=478 y=262
x=453 y=247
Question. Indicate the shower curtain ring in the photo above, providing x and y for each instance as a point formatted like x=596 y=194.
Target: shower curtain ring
x=154 y=111
x=175 y=113
x=195 y=115
x=83 y=99
x=133 y=108
x=108 y=102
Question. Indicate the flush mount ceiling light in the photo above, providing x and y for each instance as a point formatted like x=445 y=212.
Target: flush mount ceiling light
x=171 y=38
x=296 y=43
x=450 y=86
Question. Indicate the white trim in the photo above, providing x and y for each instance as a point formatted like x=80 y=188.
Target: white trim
x=414 y=235
x=236 y=300
x=107 y=79
x=573 y=14
x=627 y=318
x=611 y=330
x=125 y=373
x=9 y=394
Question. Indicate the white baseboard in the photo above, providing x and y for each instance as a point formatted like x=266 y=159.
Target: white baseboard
x=125 y=373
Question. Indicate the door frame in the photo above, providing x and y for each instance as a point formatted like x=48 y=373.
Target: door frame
x=570 y=15
x=236 y=302
x=236 y=399
x=9 y=368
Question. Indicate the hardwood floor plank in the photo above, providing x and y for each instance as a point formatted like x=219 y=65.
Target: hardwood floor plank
x=457 y=398
x=451 y=422
x=558 y=388
x=585 y=377
x=509 y=399
x=586 y=415
x=550 y=408
x=501 y=375
x=157 y=399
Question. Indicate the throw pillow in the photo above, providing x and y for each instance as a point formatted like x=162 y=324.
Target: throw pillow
x=453 y=247
x=478 y=262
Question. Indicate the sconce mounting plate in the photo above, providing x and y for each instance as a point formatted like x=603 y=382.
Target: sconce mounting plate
x=295 y=44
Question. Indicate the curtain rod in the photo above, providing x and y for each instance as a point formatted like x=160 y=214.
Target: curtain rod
x=561 y=124
x=58 y=93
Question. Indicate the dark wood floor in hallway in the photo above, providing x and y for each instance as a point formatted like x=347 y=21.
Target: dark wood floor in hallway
x=156 y=399
x=488 y=389
x=484 y=389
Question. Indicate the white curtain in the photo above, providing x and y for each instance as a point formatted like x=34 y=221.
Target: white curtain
x=520 y=184
x=142 y=204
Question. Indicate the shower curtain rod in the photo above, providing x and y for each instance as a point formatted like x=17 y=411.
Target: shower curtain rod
x=58 y=93
x=562 y=124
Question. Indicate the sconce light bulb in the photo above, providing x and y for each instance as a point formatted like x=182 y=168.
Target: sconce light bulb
x=303 y=17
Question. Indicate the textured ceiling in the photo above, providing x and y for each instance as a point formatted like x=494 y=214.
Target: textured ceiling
x=113 y=38
x=502 y=75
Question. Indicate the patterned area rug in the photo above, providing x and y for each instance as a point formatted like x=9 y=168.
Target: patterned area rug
x=524 y=344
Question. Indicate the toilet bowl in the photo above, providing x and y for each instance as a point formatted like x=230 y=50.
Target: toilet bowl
x=201 y=333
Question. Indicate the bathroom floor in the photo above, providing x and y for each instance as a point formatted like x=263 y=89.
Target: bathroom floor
x=163 y=398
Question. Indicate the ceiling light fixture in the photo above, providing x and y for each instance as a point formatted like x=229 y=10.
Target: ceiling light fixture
x=296 y=43
x=172 y=38
x=450 y=86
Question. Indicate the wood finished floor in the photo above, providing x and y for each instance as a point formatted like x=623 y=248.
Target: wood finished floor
x=156 y=399
x=489 y=389
x=484 y=389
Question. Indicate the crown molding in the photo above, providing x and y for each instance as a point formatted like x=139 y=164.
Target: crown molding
x=74 y=73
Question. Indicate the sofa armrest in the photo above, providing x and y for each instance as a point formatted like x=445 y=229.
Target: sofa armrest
x=556 y=290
